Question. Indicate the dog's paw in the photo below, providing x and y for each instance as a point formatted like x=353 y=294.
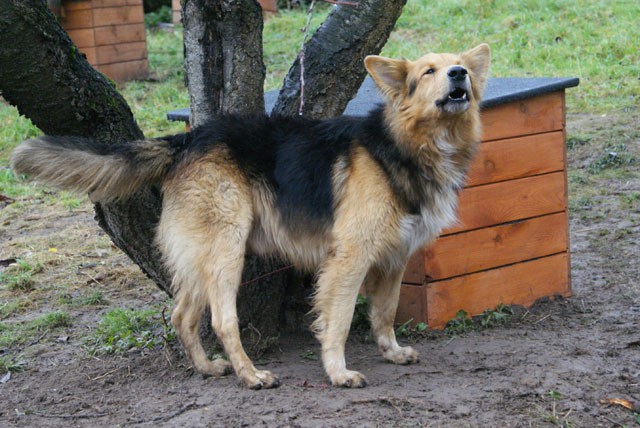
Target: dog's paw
x=349 y=379
x=405 y=355
x=260 y=379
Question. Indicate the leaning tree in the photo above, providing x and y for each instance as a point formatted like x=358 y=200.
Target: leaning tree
x=49 y=80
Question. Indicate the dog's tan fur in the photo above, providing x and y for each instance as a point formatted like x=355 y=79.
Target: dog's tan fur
x=213 y=213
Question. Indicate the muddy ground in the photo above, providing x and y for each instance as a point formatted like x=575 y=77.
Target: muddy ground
x=549 y=365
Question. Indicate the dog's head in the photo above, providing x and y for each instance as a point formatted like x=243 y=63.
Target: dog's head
x=437 y=84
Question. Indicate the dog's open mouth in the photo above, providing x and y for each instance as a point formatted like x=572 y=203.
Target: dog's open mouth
x=457 y=95
x=457 y=101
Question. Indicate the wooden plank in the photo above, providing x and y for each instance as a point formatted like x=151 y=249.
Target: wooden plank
x=118 y=15
x=512 y=200
x=412 y=304
x=518 y=284
x=121 y=52
x=82 y=38
x=113 y=34
x=123 y=71
x=108 y=3
x=75 y=19
x=71 y=5
x=414 y=271
x=511 y=158
x=535 y=115
x=176 y=11
x=269 y=5
x=488 y=248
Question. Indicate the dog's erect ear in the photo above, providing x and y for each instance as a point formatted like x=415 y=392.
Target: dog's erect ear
x=477 y=61
x=389 y=74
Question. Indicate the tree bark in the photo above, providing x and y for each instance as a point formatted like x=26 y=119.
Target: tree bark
x=223 y=57
x=333 y=58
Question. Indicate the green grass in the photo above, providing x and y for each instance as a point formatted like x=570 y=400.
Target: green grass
x=121 y=330
x=50 y=321
x=10 y=363
x=463 y=323
x=19 y=277
x=15 y=335
x=590 y=39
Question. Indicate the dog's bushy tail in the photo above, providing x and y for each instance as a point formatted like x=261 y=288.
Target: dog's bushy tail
x=105 y=172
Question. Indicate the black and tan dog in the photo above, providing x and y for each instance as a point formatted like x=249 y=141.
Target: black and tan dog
x=348 y=198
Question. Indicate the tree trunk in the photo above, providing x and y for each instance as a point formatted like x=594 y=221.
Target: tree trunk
x=223 y=57
x=333 y=58
x=225 y=73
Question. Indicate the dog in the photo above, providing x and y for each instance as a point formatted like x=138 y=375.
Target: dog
x=349 y=198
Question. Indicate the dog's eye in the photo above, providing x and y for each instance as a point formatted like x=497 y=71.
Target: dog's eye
x=430 y=71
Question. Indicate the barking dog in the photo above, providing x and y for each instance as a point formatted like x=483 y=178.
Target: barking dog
x=348 y=198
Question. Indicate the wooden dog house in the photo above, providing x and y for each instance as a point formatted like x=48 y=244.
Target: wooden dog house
x=511 y=245
x=512 y=242
x=110 y=33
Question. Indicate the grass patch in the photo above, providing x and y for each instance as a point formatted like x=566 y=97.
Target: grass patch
x=407 y=331
x=19 y=277
x=93 y=298
x=15 y=335
x=615 y=156
x=630 y=201
x=10 y=363
x=463 y=323
x=122 y=330
x=51 y=321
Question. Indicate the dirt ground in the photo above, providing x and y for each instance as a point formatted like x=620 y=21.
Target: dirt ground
x=550 y=365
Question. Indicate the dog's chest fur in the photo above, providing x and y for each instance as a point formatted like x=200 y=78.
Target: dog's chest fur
x=446 y=167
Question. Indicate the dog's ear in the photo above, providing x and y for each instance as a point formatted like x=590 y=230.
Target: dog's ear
x=477 y=61
x=389 y=74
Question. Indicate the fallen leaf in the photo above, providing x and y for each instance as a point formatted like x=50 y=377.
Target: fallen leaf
x=627 y=404
x=53 y=250
x=5 y=378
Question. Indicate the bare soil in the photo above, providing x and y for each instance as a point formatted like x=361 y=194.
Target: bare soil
x=550 y=365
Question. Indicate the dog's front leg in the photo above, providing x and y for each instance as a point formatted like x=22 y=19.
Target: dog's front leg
x=383 y=291
x=337 y=289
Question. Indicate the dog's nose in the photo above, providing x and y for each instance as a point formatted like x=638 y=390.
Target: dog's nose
x=457 y=73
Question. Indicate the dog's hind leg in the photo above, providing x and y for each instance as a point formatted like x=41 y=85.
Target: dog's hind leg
x=223 y=290
x=206 y=220
x=336 y=292
x=383 y=291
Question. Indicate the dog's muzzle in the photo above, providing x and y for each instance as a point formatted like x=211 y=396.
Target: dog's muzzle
x=457 y=100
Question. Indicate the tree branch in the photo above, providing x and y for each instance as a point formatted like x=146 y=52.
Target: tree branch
x=333 y=58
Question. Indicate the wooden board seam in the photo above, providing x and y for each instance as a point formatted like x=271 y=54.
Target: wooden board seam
x=511 y=179
x=506 y=223
x=523 y=135
x=427 y=281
